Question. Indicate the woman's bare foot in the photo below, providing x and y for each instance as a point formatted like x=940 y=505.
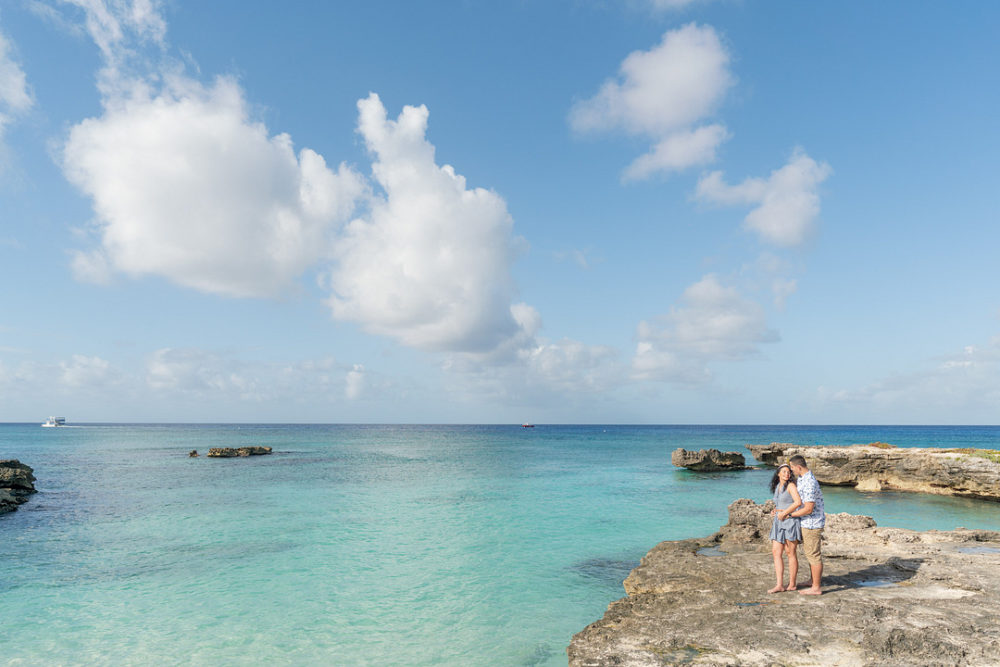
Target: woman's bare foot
x=811 y=591
x=777 y=589
x=792 y=587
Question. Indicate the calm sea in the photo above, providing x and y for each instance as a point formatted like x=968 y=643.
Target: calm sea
x=370 y=545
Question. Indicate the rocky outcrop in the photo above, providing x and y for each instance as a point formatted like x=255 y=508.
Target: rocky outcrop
x=229 y=452
x=17 y=482
x=972 y=473
x=707 y=460
x=891 y=597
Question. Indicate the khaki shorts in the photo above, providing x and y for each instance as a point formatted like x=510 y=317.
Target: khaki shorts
x=811 y=538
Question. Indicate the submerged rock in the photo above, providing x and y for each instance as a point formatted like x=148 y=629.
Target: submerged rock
x=972 y=473
x=16 y=484
x=891 y=597
x=228 y=452
x=708 y=460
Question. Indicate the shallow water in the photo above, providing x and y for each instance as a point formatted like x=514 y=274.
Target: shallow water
x=415 y=545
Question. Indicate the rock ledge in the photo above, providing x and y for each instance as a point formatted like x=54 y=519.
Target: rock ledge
x=230 y=452
x=970 y=473
x=892 y=597
x=708 y=460
x=16 y=484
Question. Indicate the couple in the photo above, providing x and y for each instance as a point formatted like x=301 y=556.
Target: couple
x=798 y=516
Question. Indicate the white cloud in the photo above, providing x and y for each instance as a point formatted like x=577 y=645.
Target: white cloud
x=557 y=377
x=712 y=323
x=782 y=289
x=662 y=94
x=354 y=382
x=84 y=371
x=205 y=375
x=668 y=5
x=962 y=386
x=117 y=27
x=787 y=202
x=15 y=95
x=679 y=151
x=430 y=264
x=186 y=186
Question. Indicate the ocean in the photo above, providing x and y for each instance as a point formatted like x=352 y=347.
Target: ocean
x=372 y=544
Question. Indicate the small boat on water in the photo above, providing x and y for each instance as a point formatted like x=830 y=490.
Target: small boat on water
x=527 y=426
x=54 y=421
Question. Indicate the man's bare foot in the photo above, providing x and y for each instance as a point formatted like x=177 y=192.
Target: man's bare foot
x=807 y=584
x=811 y=591
x=777 y=589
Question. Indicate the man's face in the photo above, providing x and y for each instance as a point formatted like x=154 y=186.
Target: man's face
x=798 y=470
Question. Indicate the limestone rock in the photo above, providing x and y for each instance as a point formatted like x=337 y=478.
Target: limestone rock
x=972 y=473
x=16 y=484
x=707 y=460
x=229 y=452
x=891 y=597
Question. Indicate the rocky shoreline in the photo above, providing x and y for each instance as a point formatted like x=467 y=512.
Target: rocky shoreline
x=892 y=597
x=969 y=473
x=16 y=484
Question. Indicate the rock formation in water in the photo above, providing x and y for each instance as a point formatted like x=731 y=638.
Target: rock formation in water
x=16 y=484
x=708 y=460
x=229 y=452
x=972 y=473
x=891 y=597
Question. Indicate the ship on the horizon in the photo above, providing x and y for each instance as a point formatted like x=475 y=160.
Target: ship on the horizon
x=54 y=421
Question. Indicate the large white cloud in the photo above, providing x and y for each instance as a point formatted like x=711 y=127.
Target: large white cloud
x=430 y=263
x=712 y=323
x=187 y=186
x=786 y=204
x=664 y=93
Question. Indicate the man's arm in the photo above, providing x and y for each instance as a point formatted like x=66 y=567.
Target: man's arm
x=806 y=509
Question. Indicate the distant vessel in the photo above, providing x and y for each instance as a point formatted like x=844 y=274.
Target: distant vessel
x=55 y=421
x=527 y=426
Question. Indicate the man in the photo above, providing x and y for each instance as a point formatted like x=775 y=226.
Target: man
x=813 y=519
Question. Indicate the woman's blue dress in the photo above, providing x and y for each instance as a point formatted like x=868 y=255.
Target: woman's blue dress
x=788 y=529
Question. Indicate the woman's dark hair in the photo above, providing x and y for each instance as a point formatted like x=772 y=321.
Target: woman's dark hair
x=775 y=480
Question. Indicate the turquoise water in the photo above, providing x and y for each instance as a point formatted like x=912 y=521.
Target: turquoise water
x=370 y=545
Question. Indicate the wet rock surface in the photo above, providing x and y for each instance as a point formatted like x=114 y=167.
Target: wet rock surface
x=17 y=482
x=891 y=597
x=707 y=460
x=970 y=473
x=230 y=452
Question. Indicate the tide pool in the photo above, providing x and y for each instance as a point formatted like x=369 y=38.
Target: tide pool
x=371 y=545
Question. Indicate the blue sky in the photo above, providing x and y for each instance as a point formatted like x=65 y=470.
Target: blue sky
x=649 y=211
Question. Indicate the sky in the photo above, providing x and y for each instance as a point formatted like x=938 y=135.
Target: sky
x=569 y=211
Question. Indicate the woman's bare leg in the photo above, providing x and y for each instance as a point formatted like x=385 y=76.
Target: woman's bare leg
x=791 y=549
x=779 y=566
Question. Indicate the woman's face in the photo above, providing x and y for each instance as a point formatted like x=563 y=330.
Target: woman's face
x=784 y=473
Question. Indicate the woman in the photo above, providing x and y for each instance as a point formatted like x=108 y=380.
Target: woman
x=785 y=531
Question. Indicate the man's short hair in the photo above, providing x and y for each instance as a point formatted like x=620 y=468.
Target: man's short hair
x=798 y=460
